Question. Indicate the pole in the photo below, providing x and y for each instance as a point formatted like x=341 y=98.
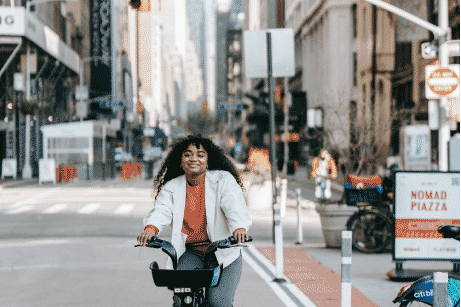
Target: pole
x=286 y=108
x=113 y=87
x=346 y=263
x=444 y=130
x=277 y=218
x=440 y=294
x=283 y=197
x=27 y=171
x=300 y=225
x=270 y=82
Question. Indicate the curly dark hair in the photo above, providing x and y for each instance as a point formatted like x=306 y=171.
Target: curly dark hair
x=171 y=167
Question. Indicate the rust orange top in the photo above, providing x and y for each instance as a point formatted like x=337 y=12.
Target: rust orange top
x=194 y=223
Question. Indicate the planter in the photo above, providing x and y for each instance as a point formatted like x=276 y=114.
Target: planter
x=333 y=217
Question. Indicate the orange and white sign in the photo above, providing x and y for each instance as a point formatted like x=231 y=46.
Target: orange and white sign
x=423 y=202
x=442 y=81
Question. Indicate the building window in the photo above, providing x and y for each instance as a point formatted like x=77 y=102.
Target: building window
x=354 y=63
x=354 y=20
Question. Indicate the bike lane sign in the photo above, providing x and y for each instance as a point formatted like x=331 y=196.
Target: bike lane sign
x=423 y=202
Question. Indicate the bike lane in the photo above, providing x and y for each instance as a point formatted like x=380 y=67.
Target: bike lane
x=321 y=285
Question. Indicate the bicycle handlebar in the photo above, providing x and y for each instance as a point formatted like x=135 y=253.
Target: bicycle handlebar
x=169 y=249
x=449 y=231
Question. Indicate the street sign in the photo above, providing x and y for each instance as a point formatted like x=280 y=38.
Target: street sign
x=81 y=92
x=423 y=201
x=255 y=53
x=47 y=171
x=442 y=81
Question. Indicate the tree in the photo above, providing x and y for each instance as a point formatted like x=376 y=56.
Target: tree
x=357 y=134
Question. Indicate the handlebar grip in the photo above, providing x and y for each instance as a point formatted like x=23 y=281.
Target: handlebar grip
x=233 y=241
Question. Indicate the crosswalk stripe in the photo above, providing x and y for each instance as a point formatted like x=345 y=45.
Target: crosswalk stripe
x=89 y=208
x=55 y=208
x=20 y=209
x=124 y=209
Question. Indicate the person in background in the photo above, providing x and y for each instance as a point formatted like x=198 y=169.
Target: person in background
x=323 y=170
x=200 y=193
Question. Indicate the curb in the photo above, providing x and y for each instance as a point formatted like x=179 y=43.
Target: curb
x=17 y=183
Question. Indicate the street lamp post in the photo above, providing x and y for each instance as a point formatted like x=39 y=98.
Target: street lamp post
x=442 y=32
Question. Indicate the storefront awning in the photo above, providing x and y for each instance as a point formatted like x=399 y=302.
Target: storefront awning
x=16 y=22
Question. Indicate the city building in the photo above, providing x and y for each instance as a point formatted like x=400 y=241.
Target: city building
x=59 y=68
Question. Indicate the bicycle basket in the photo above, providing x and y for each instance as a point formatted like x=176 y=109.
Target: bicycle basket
x=185 y=278
x=371 y=196
x=363 y=190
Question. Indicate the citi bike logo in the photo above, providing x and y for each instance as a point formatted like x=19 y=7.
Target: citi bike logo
x=424 y=293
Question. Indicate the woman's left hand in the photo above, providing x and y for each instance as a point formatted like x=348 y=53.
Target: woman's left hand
x=240 y=235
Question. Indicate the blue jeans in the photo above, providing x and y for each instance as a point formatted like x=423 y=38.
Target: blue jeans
x=221 y=295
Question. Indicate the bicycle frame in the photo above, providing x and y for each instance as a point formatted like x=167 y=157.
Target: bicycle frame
x=422 y=291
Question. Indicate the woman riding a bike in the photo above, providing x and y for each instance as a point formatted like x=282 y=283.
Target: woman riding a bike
x=199 y=192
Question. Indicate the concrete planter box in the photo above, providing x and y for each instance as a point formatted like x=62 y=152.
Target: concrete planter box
x=333 y=217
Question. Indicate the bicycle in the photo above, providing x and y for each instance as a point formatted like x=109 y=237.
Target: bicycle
x=372 y=225
x=189 y=285
x=420 y=292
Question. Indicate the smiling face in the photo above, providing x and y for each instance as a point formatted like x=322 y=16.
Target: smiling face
x=194 y=161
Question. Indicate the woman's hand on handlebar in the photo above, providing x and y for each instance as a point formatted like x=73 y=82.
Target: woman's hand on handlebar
x=144 y=237
x=240 y=235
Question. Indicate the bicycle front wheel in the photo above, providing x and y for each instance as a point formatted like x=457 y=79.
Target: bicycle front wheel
x=371 y=231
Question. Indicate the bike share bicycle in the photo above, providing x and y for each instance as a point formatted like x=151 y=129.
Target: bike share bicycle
x=372 y=224
x=189 y=285
x=420 y=292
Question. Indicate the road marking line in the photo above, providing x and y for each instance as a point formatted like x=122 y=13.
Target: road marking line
x=291 y=287
x=55 y=208
x=124 y=209
x=273 y=285
x=89 y=208
x=20 y=209
x=33 y=199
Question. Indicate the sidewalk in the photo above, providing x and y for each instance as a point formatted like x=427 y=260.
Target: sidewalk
x=302 y=175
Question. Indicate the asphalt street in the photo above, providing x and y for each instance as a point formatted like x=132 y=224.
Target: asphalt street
x=72 y=245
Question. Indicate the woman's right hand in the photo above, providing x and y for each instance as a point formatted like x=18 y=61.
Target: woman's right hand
x=145 y=236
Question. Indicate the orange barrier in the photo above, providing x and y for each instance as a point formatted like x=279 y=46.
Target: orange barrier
x=67 y=173
x=129 y=170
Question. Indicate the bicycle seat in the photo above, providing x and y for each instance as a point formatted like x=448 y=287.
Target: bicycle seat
x=185 y=278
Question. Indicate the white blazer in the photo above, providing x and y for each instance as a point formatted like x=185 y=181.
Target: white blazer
x=225 y=206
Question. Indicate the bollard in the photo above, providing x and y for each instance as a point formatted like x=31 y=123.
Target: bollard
x=278 y=245
x=346 y=263
x=440 y=289
x=300 y=225
x=283 y=197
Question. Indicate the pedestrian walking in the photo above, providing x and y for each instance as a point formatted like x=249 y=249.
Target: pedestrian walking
x=200 y=193
x=323 y=170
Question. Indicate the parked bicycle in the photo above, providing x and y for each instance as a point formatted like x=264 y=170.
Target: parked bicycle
x=420 y=292
x=189 y=285
x=372 y=225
